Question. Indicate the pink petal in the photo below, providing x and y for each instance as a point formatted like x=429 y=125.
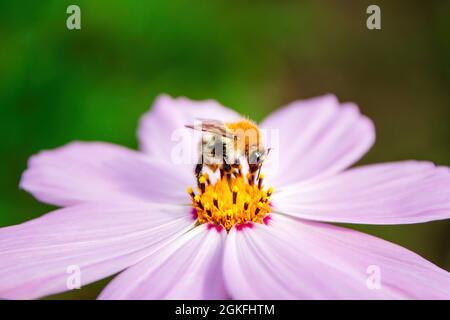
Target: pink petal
x=100 y=172
x=317 y=137
x=291 y=259
x=390 y=193
x=99 y=239
x=188 y=268
x=169 y=115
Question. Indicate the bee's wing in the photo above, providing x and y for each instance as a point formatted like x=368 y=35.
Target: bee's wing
x=212 y=126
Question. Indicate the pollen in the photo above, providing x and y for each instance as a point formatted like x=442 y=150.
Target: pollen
x=231 y=200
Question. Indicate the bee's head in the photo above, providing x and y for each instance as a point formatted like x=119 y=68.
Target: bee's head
x=256 y=158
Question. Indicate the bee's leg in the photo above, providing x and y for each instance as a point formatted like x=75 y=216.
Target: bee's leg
x=252 y=171
x=237 y=169
x=226 y=168
x=228 y=174
x=199 y=167
x=227 y=171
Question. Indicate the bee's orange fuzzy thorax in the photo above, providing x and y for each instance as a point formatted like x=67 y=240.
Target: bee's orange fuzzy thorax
x=246 y=131
x=229 y=202
x=243 y=124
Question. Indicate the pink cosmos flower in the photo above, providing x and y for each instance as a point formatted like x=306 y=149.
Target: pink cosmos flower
x=128 y=211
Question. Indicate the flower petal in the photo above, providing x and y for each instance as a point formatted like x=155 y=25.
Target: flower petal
x=389 y=193
x=294 y=259
x=165 y=123
x=103 y=173
x=316 y=137
x=36 y=257
x=188 y=268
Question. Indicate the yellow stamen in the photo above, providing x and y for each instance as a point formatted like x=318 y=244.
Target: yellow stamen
x=206 y=176
x=231 y=201
x=201 y=184
x=191 y=192
x=235 y=191
x=208 y=210
x=250 y=178
x=216 y=200
x=261 y=178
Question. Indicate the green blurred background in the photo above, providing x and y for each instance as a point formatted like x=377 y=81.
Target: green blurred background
x=58 y=85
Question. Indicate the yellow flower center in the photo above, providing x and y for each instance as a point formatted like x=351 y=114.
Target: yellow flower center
x=232 y=199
